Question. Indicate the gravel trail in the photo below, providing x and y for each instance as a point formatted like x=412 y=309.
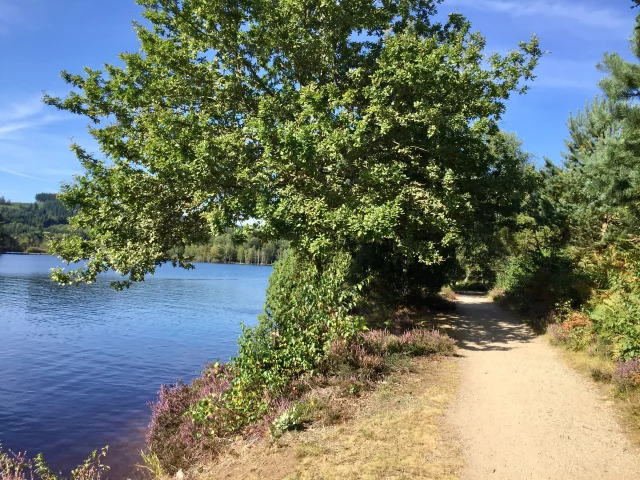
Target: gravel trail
x=521 y=413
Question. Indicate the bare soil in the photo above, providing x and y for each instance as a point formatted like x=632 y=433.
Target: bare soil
x=522 y=413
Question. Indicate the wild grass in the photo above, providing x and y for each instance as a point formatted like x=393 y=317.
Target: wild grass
x=393 y=431
x=619 y=381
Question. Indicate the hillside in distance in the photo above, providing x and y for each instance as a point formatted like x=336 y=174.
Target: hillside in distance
x=28 y=227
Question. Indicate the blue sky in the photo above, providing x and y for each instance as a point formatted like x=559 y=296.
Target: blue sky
x=39 y=38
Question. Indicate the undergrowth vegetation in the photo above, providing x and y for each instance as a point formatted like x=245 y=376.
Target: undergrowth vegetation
x=378 y=159
x=17 y=466
x=308 y=338
x=589 y=305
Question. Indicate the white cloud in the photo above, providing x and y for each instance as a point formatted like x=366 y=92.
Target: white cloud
x=22 y=110
x=23 y=175
x=16 y=126
x=25 y=143
x=25 y=115
x=592 y=15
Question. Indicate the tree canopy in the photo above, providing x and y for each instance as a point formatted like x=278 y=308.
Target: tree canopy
x=335 y=125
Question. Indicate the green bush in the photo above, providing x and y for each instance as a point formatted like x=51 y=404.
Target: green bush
x=617 y=320
x=471 y=286
x=539 y=281
x=305 y=311
x=308 y=331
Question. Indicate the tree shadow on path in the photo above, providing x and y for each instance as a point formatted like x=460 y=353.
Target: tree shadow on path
x=480 y=325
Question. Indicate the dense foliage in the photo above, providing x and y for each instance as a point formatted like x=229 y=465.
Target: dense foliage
x=30 y=226
x=339 y=126
x=349 y=366
x=365 y=134
x=578 y=247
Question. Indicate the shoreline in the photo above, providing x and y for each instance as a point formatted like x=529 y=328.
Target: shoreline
x=209 y=263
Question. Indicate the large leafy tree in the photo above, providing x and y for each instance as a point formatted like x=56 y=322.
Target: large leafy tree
x=336 y=125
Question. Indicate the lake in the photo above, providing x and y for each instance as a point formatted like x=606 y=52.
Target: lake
x=79 y=365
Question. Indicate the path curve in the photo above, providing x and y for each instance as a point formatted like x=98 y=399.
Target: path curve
x=521 y=413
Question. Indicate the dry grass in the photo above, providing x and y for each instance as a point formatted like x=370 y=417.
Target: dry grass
x=448 y=293
x=395 y=432
x=600 y=369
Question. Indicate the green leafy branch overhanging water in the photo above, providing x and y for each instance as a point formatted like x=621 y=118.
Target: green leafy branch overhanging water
x=366 y=134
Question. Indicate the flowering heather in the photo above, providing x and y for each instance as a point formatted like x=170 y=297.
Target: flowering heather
x=191 y=422
x=557 y=333
x=174 y=436
x=15 y=466
x=355 y=356
x=627 y=373
x=422 y=341
x=381 y=342
x=419 y=341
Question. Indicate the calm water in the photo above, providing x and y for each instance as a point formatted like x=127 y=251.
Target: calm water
x=78 y=365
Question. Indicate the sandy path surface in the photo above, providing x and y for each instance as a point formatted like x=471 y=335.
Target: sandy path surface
x=522 y=413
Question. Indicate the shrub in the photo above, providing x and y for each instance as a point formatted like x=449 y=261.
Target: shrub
x=308 y=332
x=415 y=342
x=574 y=330
x=538 y=281
x=16 y=466
x=348 y=357
x=617 y=319
x=627 y=373
x=305 y=311
x=292 y=418
x=173 y=436
x=191 y=422
x=448 y=294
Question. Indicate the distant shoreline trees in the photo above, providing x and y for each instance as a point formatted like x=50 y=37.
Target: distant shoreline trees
x=28 y=227
x=223 y=249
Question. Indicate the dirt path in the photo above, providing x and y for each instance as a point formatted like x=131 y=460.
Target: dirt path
x=522 y=413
